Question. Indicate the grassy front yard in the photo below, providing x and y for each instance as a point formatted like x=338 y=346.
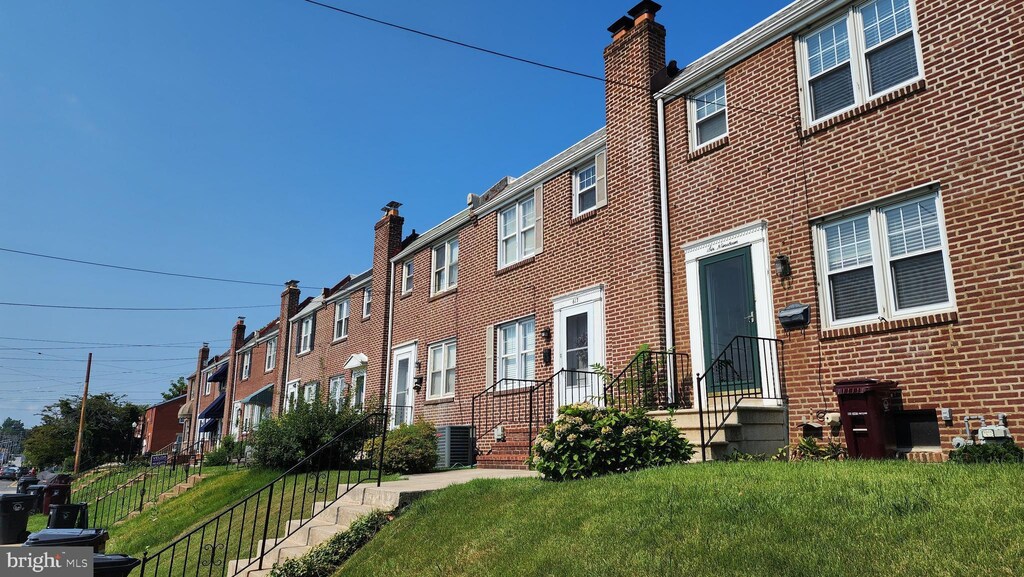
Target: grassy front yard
x=783 y=519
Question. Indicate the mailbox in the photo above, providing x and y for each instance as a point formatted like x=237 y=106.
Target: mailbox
x=795 y=316
x=867 y=421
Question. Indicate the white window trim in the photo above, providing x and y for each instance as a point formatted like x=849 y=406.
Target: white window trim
x=305 y=339
x=367 y=301
x=431 y=369
x=884 y=295
x=206 y=389
x=358 y=398
x=313 y=386
x=341 y=317
x=246 y=365
x=336 y=389
x=519 y=354
x=271 y=355
x=446 y=267
x=592 y=163
x=519 y=233
x=691 y=113
x=861 y=82
x=408 y=270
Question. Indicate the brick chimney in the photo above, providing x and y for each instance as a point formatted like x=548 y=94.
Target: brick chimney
x=204 y=355
x=234 y=373
x=387 y=242
x=289 y=307
x=634 y=56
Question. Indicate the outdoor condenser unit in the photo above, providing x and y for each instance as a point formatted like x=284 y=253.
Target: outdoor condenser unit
x=454 y=446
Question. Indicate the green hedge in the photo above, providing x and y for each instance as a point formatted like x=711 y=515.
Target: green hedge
x=324 y=559
x=280 y=442
x=411 y=449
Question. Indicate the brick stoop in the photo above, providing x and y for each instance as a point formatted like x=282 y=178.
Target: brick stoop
x=510 y=453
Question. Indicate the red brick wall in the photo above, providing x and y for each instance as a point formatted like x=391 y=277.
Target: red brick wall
x=962 y=127
x=162 y=424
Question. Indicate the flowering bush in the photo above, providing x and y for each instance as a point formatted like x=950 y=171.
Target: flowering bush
x=585 y=441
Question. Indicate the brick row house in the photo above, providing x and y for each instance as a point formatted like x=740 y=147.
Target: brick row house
x=853 y=166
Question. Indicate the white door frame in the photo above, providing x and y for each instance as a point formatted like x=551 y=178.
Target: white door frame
x=754 y=235
x=592 y=299
x=409 y=351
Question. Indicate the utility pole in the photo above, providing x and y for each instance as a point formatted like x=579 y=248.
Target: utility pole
x=81 y=419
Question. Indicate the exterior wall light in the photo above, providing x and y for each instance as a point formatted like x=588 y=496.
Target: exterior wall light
x=782 y=268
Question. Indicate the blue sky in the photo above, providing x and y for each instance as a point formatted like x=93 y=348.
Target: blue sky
x=258 y=140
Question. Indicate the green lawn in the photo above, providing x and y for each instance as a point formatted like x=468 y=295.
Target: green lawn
x=721 y=519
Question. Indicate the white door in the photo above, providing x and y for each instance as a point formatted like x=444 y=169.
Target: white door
x=579 y=345
x=402 y=394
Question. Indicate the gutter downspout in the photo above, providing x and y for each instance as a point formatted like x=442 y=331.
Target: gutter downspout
x=387 y=344
x=287 y=334
x=666 y=249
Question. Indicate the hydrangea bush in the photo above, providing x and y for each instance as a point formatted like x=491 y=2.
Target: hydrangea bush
x=585 y=441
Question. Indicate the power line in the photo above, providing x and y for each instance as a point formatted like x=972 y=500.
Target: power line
x=109 y=344
x=528 y=61
x=134 y=309
x=37 y=359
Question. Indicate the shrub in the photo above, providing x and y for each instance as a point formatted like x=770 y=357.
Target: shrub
x=280 y=442
x=585 y=441
x=410 y=449
x=1007 y=452
x=324 y=559
x=228 y=450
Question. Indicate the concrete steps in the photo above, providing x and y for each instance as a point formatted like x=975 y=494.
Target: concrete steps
x=754 y=427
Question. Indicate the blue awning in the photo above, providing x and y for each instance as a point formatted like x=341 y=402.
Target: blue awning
x=263 y=397
x=209 y=426
x=220 y=375
x=215 y=410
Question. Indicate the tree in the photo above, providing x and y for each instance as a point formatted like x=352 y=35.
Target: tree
x=108 y=431
x=177 y=389
x=12 y=428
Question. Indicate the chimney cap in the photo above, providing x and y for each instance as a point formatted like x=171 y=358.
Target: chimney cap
x=206 y=345
x=241 y=320
x=644 y=7
x=292 y=284
x=391 y=207
x=624 y=23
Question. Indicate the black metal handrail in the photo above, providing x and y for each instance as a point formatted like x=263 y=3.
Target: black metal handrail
x=144 y=484
x=747 y=368
x=242 y=535
x=653 y=380
x=507 y=402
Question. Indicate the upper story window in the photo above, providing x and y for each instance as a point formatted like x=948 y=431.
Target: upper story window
x=337 y=390
x=870 y=50
x=367 y=300
x=516 y=350
x=271 y=360
x=588 y=186
x=441 y=370
x=407 y=277
x=206 y=389
x=246 y=364
x=708 y=116
x=306 y=334
x=888 y=262
x=446 y=266
x=517 y=232
x=341 y=318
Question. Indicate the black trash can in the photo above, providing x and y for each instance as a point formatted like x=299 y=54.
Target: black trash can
x=113 y=565
x=26 y=481
x=55 y=494
x=95 y=538
x=37 y=492
x=71 y=516
x=14 y=512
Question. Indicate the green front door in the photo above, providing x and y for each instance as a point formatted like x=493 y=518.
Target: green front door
x=728 y=311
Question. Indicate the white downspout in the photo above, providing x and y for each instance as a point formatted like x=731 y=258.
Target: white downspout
x=387 y=348
x=666 y=249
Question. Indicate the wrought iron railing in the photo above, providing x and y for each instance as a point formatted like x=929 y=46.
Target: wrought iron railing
x=507 y=402
x=240 y=537
x=747 y=368
x=653 y=380
x=144 y=484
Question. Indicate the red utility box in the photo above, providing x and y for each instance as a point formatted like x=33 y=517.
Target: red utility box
x=867 y=421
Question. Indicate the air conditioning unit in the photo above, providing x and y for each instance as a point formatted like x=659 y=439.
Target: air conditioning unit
x=454 y=446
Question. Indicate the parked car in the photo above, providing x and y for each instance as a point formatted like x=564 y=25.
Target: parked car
x=10 y=472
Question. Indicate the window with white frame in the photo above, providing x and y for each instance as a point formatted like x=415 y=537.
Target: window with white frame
x=870 y=50
x=306 y=334
x=291 y=395
x=446 y=266
x=517 y=232
x=206 y=390
x=271 y=359
x=337 y=390
x=247 y=419
x=309 y=391
x=341 y=318
x=246 y=364
x=367 y=301
x=358 y=388
x=708 y=115
x=441 y=370
x=237 y=412
x=584 y=184
x=407 y=277
x=516 y=350
x=888 y=262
